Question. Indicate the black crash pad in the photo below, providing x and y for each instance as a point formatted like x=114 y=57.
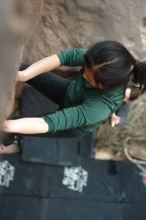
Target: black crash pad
x=92 y=190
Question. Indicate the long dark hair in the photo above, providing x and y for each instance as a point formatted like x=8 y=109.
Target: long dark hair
x=113 y=65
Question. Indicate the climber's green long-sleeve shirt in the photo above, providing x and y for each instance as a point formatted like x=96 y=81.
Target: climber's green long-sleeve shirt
x=85 y=107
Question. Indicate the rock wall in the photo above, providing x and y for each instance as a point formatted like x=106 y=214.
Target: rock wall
x=79 y=23
x=17 y=20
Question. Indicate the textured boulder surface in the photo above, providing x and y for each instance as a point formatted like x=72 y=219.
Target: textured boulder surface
x=80 y=23
x=17 y=20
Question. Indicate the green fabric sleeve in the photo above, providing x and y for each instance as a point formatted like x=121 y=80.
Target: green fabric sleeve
x=72 y=57
x=79 y=116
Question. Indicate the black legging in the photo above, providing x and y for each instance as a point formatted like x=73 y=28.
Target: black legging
x=50 y=85
x=44 y=95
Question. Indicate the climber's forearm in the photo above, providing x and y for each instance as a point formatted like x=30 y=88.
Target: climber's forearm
x=25 y=126
x=42 y=66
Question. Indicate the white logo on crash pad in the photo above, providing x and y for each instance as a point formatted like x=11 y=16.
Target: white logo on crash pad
x=6 y=173
x=75 y=178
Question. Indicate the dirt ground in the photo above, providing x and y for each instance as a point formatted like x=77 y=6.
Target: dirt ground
x=112 y=141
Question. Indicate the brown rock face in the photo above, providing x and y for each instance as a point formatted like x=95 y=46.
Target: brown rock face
x=80 y=23
x=17 y=19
